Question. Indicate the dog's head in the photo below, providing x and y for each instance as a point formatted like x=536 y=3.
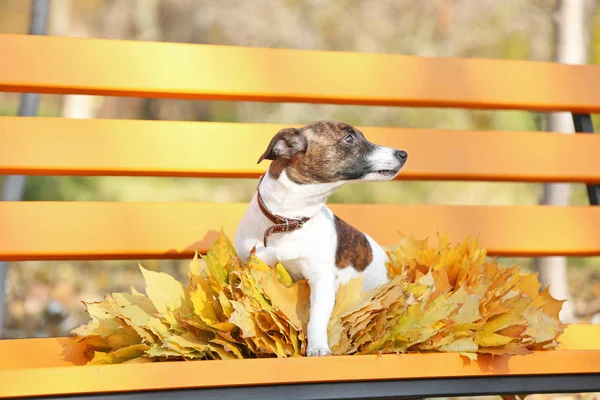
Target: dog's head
x=329 y=151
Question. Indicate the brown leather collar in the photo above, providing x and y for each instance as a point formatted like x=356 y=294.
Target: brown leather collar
x=282 y=224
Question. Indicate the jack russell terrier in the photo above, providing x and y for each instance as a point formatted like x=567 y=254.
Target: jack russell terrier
x=288 y=221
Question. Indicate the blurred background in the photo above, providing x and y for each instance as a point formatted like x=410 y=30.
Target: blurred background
x=44 y=298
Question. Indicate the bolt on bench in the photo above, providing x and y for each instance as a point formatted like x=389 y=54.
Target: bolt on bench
x=104 y=230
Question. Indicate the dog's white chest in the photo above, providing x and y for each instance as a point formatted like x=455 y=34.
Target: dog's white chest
x=304 y=253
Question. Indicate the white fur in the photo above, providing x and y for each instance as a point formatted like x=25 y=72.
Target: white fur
x=310 y=251
x=382 y=158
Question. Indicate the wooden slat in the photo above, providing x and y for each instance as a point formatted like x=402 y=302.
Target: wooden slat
x=40 y=353
x=20 y=354
x=199 y=374
x=16 y=375
x=59 y=146
x=150 y=69
x=88 y=230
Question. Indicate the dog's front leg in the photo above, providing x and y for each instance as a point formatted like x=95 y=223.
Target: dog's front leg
x=267 y=255
x=322 y=299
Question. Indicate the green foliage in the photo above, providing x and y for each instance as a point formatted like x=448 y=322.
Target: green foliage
x=516 y=46
x=56 y=188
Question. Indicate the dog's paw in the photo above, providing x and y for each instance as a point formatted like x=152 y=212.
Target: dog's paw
x=318 y=352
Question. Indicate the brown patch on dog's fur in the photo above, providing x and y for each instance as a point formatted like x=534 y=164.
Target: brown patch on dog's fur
x=353 y=248
x=285 y=144
x=335 y=162
x=277 y=167
x=318 y=153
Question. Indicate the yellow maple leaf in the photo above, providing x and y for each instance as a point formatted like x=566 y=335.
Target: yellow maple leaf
x=119 y=355
x=292 y=301
x=283 y=276
x=201 y=303
x=196 y=267
x=242 y=318
x=463 y=345
x=165 y=292
x=218 y=261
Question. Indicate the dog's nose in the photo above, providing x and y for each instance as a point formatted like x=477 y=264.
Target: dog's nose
x=402 y=155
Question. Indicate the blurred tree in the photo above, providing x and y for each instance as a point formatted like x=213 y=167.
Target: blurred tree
x=62 y=23
x=153 y=20
x=570 y=42
x=13 y=185
x=66 y=20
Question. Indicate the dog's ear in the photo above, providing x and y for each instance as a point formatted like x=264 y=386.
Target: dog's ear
x=285 y=144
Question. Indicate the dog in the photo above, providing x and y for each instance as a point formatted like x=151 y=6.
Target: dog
x=287 y=220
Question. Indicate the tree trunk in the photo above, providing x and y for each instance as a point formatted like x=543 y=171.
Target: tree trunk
x=118 y=22
x=74 y=105
x=570 y=49
x=13 y=185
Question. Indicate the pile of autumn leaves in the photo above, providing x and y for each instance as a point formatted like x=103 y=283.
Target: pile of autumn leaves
x=445 y=299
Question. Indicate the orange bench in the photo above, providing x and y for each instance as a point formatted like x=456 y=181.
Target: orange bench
x=104 y=230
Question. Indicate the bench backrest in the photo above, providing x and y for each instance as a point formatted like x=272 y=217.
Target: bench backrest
x=100 y=230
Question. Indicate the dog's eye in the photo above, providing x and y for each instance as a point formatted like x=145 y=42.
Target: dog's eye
x=349 y=139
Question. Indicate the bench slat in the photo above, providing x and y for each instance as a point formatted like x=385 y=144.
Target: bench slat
x=20 y=354
x=363 y=390
x=253 y=372
x=58 y=146
x=89 y=230
x=17 y=374
x=170 y=70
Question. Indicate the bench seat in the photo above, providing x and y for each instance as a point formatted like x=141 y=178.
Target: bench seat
x=43 y=361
